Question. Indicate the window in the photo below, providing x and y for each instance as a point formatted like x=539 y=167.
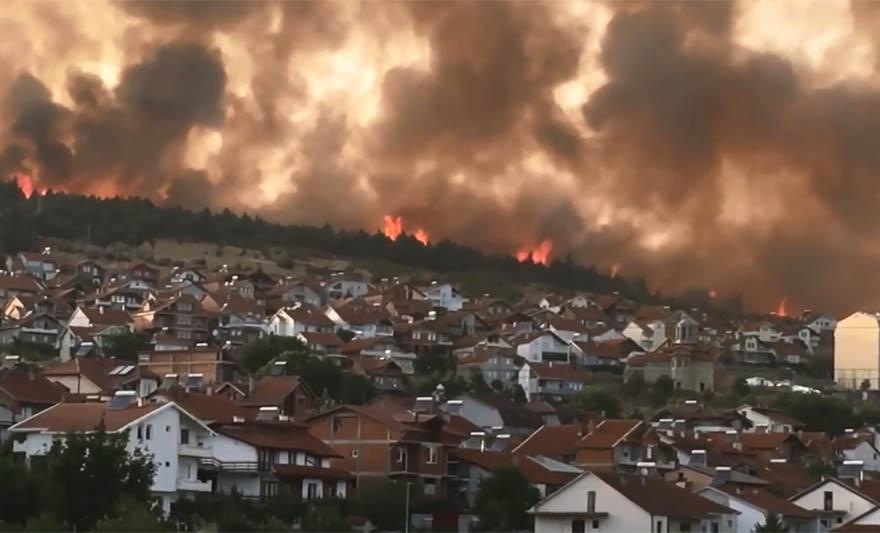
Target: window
x=430 y=487
x=167 y=429
x=828 y=501
x=184 y=320
x=595 y=524
x=401 y=455
x=591 y=501
x=337 y=424
x=311 y=490
x=268 y=488
x=265 y=460
x=659 y=527
x=432 y=455
x=184 y=436
x=140 y=432
x=577 y=526
x=715 y=527
x=730 y=524
x=148 y=433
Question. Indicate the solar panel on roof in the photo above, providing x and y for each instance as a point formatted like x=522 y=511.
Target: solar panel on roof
x=126 y=370
x=116 y=370
x=121 y=400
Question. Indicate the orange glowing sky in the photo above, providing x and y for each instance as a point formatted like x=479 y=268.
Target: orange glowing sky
x=308 y=99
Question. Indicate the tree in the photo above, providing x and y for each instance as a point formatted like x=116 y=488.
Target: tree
x=634 y=385
x=324 y=516
x=663 y=389
x=132 y=516
x=598 y=399
x=89 y=474
x=260 y=352
x=772 y=524
x=741 y=388
x=503 y=501
x=126 y=345
x=384 y=505
x=819 y=413
x=20 y=496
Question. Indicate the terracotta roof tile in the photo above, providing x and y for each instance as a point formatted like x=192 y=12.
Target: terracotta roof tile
x=68 y=417
x=661 y=498
x=272 y=390
x=608 y=433
x=278 y=435
x=768 y=501
x=551 y=441
x=26 y=388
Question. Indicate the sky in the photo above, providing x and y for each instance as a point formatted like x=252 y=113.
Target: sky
x=730 y=146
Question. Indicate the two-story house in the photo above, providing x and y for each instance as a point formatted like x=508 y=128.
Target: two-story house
x=18 y=285
x=551 y=380
x=288 y=394
x=290 y=322
x=544 y=346
x=607 y=501
x=444 y=295
x=158 y=430
x=690 y=366
x=23 y=394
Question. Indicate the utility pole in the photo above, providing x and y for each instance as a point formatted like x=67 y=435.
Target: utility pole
x=406 y=523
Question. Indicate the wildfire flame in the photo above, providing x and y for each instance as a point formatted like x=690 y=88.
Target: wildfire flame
x=392 y=227
x=713 y=294
x=25 y=185
x=780 y=309
x=421 y=236
x=615 y=270
x=540 y=255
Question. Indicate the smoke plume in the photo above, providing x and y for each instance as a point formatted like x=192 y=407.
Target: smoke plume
x=691 y=143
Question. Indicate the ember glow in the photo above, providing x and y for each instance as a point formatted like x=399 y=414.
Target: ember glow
x=540 y=255
x=713 y=294
x=340 y=112
x=615 y=270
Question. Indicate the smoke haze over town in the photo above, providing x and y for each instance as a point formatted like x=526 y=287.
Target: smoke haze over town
x=731 y=146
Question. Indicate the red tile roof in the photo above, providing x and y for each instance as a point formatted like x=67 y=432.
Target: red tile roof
x=609 y=432
x=69 y=417
x=279 y=436
x=551 y=441
x=558 y=371
x=209 y=408
x=661 y=498
x=764 y=499
x=272 y=390
x=23 y=387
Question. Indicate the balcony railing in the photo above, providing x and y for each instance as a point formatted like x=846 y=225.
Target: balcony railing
x=190 y=450
x=234 y=466
x=194 y=485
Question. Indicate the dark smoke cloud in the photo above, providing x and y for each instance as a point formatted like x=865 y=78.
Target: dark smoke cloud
x=681 y=104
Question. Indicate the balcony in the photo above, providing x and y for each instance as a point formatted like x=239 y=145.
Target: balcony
x=191 y=450
x=194 y=485
x=233 y=466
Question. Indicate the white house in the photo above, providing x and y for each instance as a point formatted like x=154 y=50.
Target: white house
x=544 y=346
x=551 y=380
x=754 y=504
x=649 y=335
x=857 y=351
x=836 y=501
x=769 y=420
x=820 y=322
x=171 y=436
x=445 y=295
x=851 y=447
x=291 y=322
x=604 y=501
x=339 y=288
x=869 y=521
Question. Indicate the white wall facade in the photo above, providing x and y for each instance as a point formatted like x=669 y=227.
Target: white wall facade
x=857 y=351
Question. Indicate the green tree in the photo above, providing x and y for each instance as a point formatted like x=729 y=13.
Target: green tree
x=132 y=516
x=126 y=345
x=324 y=516
x=503 y=501
x=20 y=495
x=384 y=505
x=741 y=388
x=663 y=389
x=772 y=524
x=634 y=385
x=819 y=413
x=89 y=474
x=261 y=351
x=598 y=399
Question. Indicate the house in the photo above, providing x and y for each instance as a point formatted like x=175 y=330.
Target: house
x=544 y=346
x=363 y=319
x=612 y=443
x=386 y=373
x=772 y=445
x=445 y=296
x=690 y=366
x=866 y=522
x=255 y=458
x=18 y=285
x=604 y=501
x=160 y=430
x=239 y=326
x=41 y=265
x=92 y=375
x=139 y=272
x=339 y=288
x=424 y=337
x=181 y=317
x=41 y=329
x=754 y=505
x=290 y=322
x=494 y=411
x=693 y=415
x=319 y=343
x=22 y=395
x=607 y=355
x=471 y=466
x=212 y=365
x=379 y=443
x=88 y=317
x=838 y=502
x=548 y=380
x=298 y=292
x=288 y=394
x=765 y=419
x=556 y=442
x=493 y=364
x=853 y=447
x=857 y=352
x=648 y=334
x=819 y=322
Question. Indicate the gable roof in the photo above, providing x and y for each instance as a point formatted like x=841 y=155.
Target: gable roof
x=551 y=441
x=609 y=432
x=106 y=317
x=491 y=461
x=272 y=390
x=558 y=371
x=209 y=408
x=94 y=368
x=766 y=500
x=279 y=436
x=24 y=387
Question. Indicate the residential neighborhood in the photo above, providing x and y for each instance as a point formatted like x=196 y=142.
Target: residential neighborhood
x=613 y=414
